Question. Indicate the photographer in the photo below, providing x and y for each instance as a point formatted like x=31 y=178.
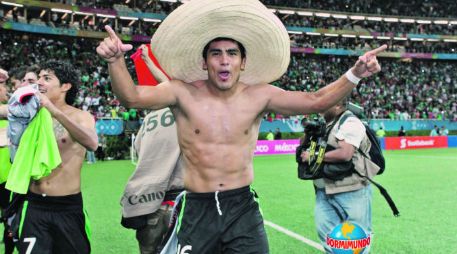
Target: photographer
x=341 y=193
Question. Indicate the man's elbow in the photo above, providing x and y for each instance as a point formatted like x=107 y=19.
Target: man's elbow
x=347 y=155
x=130 y=103
x=92 y=146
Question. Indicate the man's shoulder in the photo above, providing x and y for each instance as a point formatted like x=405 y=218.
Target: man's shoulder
x=77 y=113
x=351 y=121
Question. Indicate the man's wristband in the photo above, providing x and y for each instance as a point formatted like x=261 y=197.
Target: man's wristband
x=351 y=77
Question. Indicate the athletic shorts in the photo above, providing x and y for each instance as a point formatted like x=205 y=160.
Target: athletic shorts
x=221 y=222
x=53 y=224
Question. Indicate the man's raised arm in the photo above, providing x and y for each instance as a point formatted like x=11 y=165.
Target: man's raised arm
x=155 y=71
x=112 y=50
x=292 y=103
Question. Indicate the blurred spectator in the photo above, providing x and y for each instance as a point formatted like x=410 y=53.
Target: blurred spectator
x=278 y=134
x=435 y=131
x=100 y=152
x=270 y=135
x=402 y=132
x=380 y=133
x=444 y=131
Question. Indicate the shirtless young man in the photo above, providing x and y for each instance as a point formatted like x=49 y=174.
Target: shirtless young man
x=220 y=214
x=54 y=220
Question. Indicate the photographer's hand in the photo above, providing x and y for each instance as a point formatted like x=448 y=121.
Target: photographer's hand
x=305 y=156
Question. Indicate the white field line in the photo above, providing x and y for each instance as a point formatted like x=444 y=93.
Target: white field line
x=295 y=235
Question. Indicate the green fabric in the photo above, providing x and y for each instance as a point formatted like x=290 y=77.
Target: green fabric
x=125 y=116
x=87 y=225
x=181 y=213
x=37 y=155
x=23 y=213
x=5 y=164
x=3 y=123
x=380 y=133
x=256 y=199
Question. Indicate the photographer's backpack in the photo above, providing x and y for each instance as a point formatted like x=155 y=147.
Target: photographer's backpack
x=376 y=156
x=375 y=153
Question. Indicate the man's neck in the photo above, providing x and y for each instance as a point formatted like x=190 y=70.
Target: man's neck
x=222 y=93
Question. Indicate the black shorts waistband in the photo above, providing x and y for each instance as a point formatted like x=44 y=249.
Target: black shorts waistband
x=220 y=195
x=171 y=195
x=56 y=202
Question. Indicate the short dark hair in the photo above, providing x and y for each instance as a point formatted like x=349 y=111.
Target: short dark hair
x=242 y=48
x=34 y=68
x=19 y=72
x=66 y=73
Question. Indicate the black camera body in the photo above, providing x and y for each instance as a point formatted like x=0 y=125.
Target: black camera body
x=315 y=132
x=315 y=129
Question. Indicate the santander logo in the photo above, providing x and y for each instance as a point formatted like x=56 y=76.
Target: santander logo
x=405 y=143
x=415 y=142
x=402 y=143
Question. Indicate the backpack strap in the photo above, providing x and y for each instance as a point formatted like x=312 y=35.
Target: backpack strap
x=384 y=193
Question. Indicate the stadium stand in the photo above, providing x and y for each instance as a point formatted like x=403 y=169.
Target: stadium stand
x=326 y=37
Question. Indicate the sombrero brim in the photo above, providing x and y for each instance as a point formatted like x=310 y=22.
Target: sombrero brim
x=179 y=41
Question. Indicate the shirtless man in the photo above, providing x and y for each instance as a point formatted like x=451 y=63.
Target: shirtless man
x=218 y=123
x=55 y=221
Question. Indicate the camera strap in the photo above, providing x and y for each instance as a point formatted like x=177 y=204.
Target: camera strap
x=315 y=164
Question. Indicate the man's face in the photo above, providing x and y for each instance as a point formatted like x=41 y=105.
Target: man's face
x=16 y=83
x=224 y=64
x=49 y=85
x=3 y=93
x=332 y=112
x=30 y=78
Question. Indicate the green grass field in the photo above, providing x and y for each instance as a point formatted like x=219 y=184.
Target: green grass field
x=423 y=183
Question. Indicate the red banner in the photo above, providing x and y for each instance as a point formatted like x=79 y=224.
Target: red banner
x=144 y=75
x=395 y=143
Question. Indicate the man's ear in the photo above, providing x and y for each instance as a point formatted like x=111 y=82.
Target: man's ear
x=243 y=64
x=66 y=86
x=204 y=65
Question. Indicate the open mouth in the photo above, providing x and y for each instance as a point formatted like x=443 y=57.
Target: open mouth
x=224 y=75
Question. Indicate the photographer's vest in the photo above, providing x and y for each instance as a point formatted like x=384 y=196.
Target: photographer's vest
x=362 y=165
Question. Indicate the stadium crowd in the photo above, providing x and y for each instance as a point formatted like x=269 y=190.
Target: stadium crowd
x=393 y=94
x=419 y=8
x=405 y=88
x=407 y=46
x=382 y=27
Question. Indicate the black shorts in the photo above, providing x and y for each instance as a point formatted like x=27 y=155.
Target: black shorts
x=49 y=224
x=222 y=222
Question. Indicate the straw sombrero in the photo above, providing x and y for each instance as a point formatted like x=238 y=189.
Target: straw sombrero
x=179 y=41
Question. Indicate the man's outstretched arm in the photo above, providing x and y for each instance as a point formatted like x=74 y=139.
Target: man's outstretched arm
x=292 y=103
x=112 y=50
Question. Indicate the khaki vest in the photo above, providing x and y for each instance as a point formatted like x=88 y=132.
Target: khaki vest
x=362 y=165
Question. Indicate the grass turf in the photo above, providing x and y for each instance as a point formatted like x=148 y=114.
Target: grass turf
x=423 y=183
